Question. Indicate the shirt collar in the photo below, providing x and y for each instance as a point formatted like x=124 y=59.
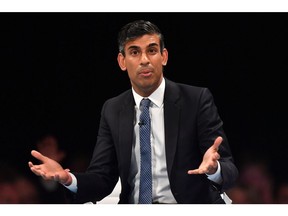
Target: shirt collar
x=156 y=97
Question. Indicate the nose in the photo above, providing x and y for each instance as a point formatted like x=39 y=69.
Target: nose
x=144 y=59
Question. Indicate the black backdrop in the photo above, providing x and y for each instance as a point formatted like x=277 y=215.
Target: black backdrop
x=57 y=69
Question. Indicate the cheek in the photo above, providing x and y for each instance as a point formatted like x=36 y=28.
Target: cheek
x=158 y=67
x=131 y=75
x=131 y=67
x=158 y=62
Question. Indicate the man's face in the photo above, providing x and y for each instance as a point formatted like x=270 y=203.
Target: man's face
x=144 y=63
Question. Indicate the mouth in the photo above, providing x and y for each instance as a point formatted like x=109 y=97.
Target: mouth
x=145 y=72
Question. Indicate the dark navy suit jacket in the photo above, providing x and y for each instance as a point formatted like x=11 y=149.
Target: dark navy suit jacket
x=192 y=123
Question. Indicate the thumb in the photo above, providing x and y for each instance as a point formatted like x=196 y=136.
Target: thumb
x=38 y=155
x=217 y=143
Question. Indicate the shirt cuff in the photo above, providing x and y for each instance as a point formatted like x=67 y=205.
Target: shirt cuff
x=216 y=177
x=73 y=186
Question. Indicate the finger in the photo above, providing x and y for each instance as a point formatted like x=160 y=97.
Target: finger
x=36 y=172
x=195 y=171
x=33 y=167
x=37 y=167
x=38 y=155
x=57 y=177
x=30 y=164
x=217 y=143
x=44 y=176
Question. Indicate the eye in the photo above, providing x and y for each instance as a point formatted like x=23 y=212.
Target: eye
x=152 y=51
x=134 y=52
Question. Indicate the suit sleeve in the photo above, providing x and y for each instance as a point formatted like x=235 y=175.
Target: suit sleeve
x=210 y=127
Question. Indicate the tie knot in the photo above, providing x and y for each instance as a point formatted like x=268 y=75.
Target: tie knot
x=145 y=102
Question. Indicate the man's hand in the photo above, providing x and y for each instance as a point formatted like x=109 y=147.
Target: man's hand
x=209 y=163
x=50 y=169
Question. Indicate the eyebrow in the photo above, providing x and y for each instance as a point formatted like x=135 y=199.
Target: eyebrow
x=137 y=47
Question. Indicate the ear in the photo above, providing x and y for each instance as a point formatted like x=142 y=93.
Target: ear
x=164 y=57
x=121 y=61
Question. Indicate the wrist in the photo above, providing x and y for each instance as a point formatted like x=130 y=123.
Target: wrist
x=69 y=179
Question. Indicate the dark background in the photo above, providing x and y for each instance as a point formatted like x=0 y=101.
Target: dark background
x=57 y=69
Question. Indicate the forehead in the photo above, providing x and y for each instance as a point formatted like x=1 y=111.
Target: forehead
x=143 y=41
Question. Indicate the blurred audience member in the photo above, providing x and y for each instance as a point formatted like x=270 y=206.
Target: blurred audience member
x=239 y=195
x=27 y=191
x=8 y=194
x=15 y=188
x=255 y=185
x=281 y=193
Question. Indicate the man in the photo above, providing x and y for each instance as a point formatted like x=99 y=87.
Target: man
x=190 y=154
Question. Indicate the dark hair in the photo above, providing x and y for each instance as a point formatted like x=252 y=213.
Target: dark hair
x=137 y=29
